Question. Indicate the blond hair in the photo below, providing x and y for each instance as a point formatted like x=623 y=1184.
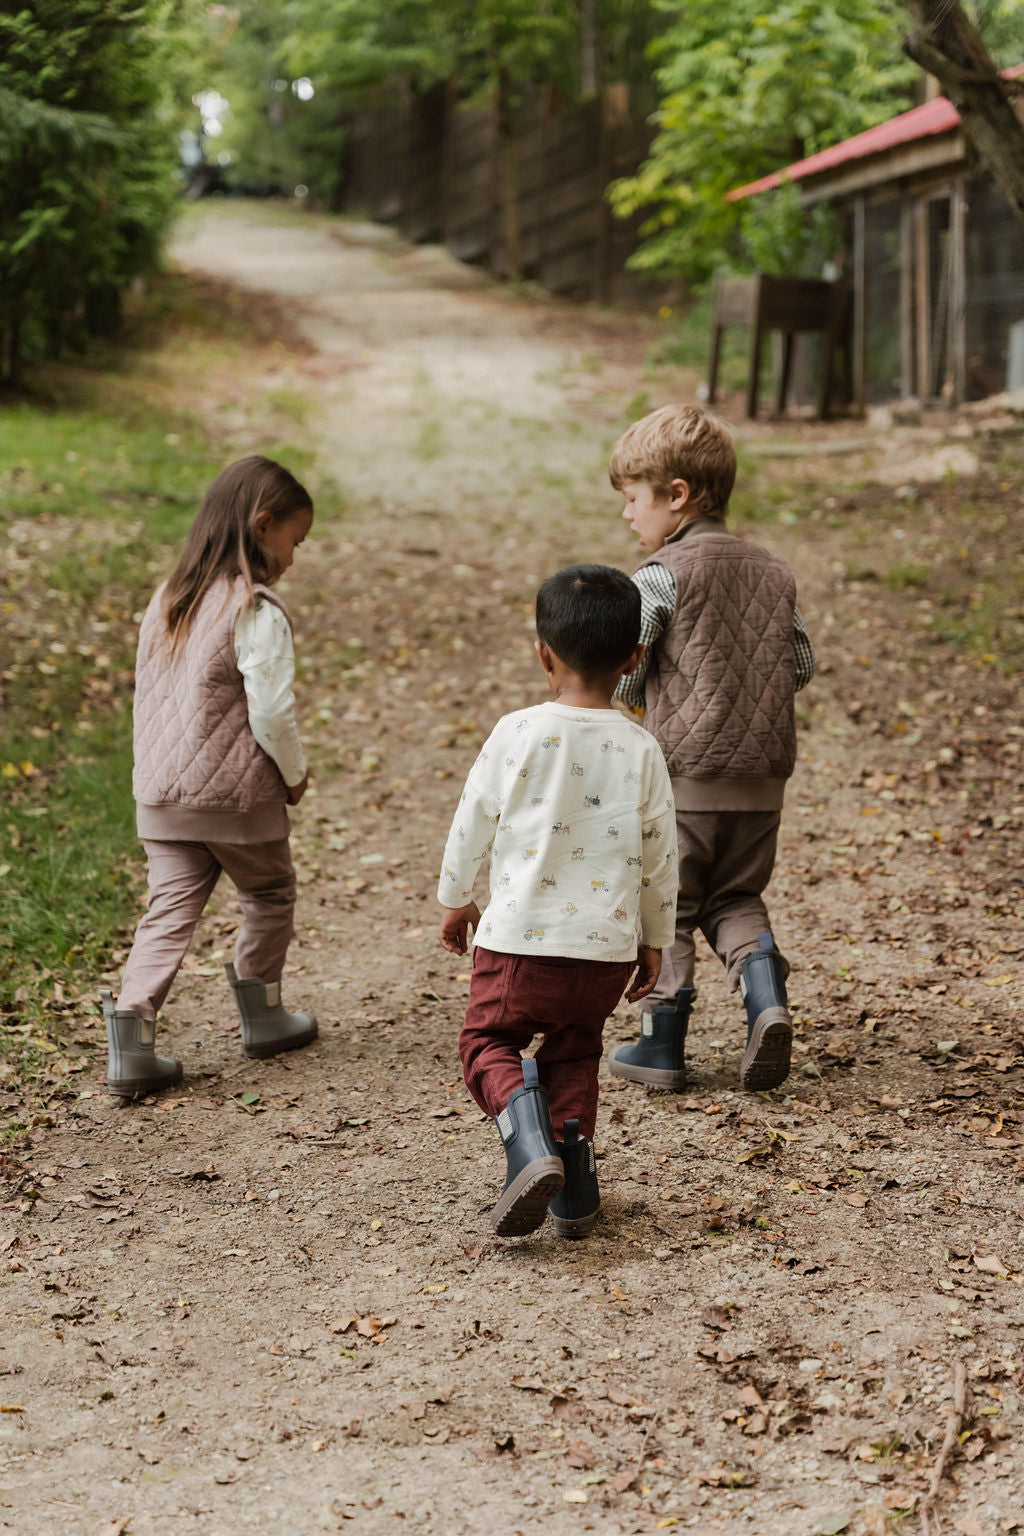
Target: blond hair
x=678 y=442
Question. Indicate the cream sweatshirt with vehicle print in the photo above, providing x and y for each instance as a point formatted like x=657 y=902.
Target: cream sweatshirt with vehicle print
x=575 y=808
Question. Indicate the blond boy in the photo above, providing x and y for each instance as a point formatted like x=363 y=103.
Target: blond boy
x=726 y=651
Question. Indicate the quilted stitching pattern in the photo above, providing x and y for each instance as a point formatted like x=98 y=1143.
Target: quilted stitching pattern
x=193 y=744
x=720 y=687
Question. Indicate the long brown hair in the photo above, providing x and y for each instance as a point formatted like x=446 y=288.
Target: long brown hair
x=223 y=541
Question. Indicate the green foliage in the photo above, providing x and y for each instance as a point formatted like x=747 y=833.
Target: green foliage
x=780 y=236
x=88 y=110
x=747 y=89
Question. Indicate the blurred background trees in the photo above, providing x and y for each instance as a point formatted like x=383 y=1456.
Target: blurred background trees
x=97 y=95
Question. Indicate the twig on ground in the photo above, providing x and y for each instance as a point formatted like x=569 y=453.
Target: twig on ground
x=954 y=1424
x=563 y=1324
x=643 y=1444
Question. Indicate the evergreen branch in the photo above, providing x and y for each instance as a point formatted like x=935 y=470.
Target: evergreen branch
x=26 y=121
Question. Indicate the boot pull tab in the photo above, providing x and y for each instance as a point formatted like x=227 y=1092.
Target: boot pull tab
x=531 y=1076
x=766 y=941
x=570 y=1132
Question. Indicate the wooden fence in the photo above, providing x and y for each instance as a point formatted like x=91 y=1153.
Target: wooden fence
x=442 y=171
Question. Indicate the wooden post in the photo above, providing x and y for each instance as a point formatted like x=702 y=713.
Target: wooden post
x=785 y=368
x=922 y=287
x=546 y=112
x=860 y=325
x=906 y=298
x=958 y=290
x=448 y=152
x=716 y=349
x=754 y=365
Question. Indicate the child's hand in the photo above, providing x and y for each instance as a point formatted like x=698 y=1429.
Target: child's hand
x=455 y=927
x=296 y=791
x=648 y=969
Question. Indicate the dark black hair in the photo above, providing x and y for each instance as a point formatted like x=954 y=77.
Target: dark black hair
x=590 y=617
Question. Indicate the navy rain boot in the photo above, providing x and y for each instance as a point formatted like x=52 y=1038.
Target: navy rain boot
x=535 y=1171
x=574 y=1209
x=657 y=1058
x=769 y=1027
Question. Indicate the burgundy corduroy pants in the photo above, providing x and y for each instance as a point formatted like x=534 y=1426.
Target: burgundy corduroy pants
x=512 y=998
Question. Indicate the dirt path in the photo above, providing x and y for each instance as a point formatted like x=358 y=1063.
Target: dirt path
x=273 y=1302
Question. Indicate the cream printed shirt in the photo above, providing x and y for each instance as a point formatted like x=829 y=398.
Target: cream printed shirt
x=575 y=808
x=265 y=653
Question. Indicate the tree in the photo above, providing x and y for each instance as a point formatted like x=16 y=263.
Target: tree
x=87 y=162
x=949 y=45
x=746 y=88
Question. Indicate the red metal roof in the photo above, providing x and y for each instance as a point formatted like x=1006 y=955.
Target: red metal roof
x=933 y=117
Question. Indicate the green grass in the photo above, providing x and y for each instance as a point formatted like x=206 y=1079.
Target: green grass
x=69 y=869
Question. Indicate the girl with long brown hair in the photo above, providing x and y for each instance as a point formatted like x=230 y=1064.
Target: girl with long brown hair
x=217 y=760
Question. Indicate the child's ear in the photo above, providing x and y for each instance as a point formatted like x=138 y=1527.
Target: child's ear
x=634 y=660
x=543 y=654
x=678 y=495
x=261 y=522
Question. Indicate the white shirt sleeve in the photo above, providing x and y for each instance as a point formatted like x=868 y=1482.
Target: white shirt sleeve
x=473 y=826
x=660 y=873
x=266 y=659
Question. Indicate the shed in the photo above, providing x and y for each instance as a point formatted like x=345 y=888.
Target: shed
x=934 y=254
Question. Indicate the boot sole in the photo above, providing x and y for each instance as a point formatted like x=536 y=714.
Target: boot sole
x=278 y=1047
x=524 y=1204
x=138 y=1088
x=766 y=1059
x=575 y=1226
x=654 y=1077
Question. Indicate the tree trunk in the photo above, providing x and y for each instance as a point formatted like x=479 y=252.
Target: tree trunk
x=946 y=43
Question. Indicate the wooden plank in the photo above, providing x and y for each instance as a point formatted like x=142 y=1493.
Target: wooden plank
x=942 y=152
x=907 y=356
x=860 y=328
x=958 y=290
x=754 y=357
x=922 y=294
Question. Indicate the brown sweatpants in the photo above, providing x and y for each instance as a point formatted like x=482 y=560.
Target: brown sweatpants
x=725 y=862
x=181 y=880
x=514 y=997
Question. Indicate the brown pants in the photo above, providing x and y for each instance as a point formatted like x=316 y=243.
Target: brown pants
x=514 y=997
x=725 y=862
x=181 y=880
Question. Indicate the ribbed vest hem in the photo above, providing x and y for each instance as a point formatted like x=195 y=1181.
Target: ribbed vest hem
x=193 y=824
x=724 y=794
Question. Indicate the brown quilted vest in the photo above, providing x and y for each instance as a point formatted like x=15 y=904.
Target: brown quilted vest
x=193 y=743
x=720 y=685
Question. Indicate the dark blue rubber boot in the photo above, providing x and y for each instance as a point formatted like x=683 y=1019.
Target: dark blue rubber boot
x=769 y=1026
x=658 y=1057
x=535 y=1171
x=574 y=1209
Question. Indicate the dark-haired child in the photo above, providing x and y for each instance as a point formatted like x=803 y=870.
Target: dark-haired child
x=574 y=805
x=217 y=760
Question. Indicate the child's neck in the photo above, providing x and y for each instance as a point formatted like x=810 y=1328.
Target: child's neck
x=579 y=693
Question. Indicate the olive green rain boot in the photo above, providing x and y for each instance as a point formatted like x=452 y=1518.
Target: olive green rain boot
x=267 y=1028
x=133 y=1067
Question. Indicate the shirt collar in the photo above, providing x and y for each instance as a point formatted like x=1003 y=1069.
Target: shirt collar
x=715 y=524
